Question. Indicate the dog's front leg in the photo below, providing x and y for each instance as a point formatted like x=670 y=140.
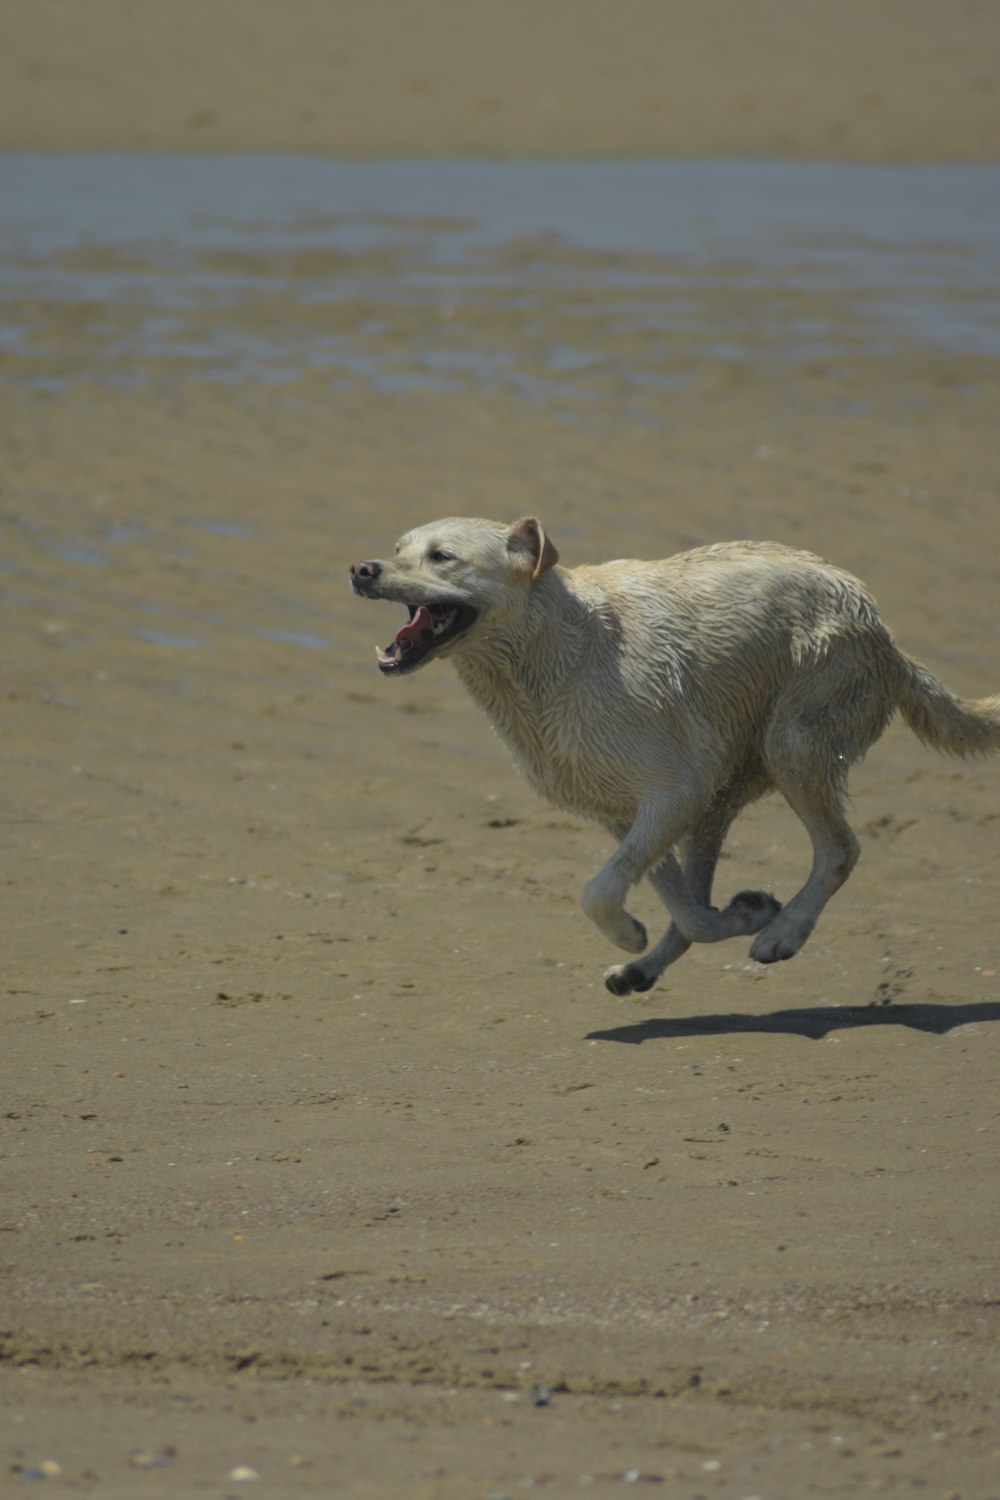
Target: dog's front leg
x=603 y=900
x=644 y=844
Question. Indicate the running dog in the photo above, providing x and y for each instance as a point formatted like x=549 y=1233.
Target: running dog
x=660 y=698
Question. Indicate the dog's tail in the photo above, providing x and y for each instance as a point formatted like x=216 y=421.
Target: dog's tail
x=959 y=726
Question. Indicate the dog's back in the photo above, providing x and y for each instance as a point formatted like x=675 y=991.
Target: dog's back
x=625 y=674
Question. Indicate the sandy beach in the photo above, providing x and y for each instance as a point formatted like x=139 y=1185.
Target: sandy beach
x=329 y=1164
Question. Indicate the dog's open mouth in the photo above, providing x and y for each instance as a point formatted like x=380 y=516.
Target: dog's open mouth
x=429 y=627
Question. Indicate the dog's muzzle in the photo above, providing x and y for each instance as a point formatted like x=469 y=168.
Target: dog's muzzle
x=433 y=623
x=363 y=575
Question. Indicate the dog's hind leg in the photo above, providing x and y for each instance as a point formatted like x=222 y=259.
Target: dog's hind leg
x=835 y=853
x=700 y=852
x=819 y=729
x=809 y=767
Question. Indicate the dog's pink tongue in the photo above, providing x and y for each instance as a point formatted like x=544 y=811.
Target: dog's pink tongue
x=417 y=629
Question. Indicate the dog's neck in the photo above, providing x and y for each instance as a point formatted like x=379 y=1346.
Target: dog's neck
x=518 y=672
x=532 y=652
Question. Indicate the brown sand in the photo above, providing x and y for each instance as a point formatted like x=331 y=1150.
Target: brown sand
x=324 y=1146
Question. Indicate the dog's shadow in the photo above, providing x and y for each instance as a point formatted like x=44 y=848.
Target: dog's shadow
x=814 y=1023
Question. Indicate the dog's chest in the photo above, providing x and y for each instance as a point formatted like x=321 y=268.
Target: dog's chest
x=570 y=743
x=573 y=757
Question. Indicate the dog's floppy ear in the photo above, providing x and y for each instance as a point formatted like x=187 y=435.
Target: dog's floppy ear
x=528 y=544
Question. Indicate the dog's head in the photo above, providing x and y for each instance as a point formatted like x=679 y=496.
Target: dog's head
x=452 y=575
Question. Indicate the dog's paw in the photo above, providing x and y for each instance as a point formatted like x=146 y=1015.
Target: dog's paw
x=611 y=918
x=627 y=933
x=626 y=979
x=780 y=940
x=754 y=910
x=751 y=911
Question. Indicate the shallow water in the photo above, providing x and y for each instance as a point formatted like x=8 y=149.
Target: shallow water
x=542 y=278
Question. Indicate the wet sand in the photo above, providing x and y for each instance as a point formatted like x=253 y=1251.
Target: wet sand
x=327 y=1156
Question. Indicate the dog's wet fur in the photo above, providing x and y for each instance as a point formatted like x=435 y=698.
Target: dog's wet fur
x=660 y=698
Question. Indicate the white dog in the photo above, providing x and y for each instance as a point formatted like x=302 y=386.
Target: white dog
x=661 y=697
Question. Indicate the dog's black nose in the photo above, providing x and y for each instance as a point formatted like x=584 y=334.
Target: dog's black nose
x=364 y=572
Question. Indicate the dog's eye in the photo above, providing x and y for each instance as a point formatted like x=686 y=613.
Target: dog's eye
x=438 y=555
